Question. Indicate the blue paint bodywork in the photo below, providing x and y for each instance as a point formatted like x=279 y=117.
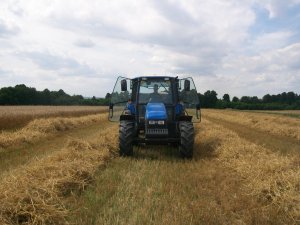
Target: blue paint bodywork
x=156 y=111
x=179 y=109
x=131 y=108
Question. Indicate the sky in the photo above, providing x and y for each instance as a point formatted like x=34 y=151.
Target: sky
x=243 y=48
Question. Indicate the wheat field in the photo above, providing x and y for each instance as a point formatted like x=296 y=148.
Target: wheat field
x=12 y=117
x=235 y=177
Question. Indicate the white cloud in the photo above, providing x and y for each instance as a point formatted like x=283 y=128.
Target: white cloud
x=269 y=41
x=277 y=8
x=8 y=28
x=272 y=71
x=85 y=43
x=82 y=43
x=63 y=65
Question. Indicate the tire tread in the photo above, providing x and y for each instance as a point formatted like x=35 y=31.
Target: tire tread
x=126 y=135
x=186 y=139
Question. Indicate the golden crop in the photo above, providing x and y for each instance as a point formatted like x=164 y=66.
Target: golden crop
x=39 y=128
x=274 y=124
x=35 y=193
x=230 y=180
x=12 y=117
x=268 y=177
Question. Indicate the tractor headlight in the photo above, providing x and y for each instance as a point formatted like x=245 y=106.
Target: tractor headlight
x=160 y=122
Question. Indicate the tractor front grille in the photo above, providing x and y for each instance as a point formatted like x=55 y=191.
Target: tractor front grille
x=156 y=131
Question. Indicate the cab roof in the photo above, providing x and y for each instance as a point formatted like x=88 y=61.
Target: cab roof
x=153 y=77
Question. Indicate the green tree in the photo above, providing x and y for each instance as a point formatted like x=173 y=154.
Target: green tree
x=267 y=98
x=107 y=96
x=235 y=99
x=291 y=97
x=226 y=98
x=210 y=99
x=246 y=99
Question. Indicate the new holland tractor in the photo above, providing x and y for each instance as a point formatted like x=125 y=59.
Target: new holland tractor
x=155 y=110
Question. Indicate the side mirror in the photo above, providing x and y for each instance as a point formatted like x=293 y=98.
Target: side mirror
x=198 y=106
x=187 y=85
x=123 y=85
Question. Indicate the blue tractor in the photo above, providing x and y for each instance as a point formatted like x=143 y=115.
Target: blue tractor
x=155 y=110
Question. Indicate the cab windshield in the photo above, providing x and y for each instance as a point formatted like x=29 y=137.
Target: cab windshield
x=155 y=90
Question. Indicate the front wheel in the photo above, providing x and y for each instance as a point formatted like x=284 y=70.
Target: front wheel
x=186 y=146
x=126 y=135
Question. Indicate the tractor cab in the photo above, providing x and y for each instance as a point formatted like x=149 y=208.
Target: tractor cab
x=153 y=109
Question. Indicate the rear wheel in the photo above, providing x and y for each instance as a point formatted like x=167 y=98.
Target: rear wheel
x=186 y=129
x=126 y=135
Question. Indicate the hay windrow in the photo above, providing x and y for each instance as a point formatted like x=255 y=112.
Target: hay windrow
x=12 y=117
x=274 y=124
x=40 y=128
x=35 y=193
x=272 y=179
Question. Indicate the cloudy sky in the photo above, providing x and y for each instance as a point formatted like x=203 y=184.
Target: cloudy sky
x=249 y=47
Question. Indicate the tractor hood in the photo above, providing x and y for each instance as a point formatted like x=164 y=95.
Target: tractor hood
x=156 y=111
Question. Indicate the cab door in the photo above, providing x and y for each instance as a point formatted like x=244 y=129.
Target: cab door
x=119 y=98
x=188 y=97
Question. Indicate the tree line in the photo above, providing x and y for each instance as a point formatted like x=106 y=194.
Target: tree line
x=283 y=101
x=23 y=95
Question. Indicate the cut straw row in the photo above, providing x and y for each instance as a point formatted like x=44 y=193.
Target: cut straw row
x=39 y=128
x=274 y=124
x=12 y=117
x=35 y=193
x=272 y=179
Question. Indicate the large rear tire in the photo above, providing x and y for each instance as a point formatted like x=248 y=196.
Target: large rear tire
x=186 y=146
x=126 y=135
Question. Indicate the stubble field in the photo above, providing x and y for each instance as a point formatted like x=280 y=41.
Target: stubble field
x=60 y=170
x=12 y=117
